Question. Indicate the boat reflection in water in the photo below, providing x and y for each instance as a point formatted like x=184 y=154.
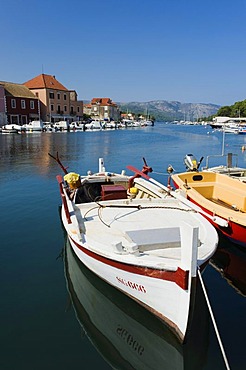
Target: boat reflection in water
x=127 y=335
x=230 y=261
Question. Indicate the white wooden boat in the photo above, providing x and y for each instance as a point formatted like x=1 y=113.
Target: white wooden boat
x=139 y=238
x=131 y=337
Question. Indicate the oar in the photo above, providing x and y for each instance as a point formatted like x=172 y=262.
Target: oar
x=57 y=159
x=218 y=220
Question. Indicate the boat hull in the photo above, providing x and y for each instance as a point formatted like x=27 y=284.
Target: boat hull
x=234 y=192
x=161 y=296
x=148 y=245
x=236 y=233
x=131 y=337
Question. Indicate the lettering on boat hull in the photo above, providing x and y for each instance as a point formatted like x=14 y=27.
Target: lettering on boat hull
x=139 y=288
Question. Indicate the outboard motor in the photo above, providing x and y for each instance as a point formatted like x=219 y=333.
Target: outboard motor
x=190 y=162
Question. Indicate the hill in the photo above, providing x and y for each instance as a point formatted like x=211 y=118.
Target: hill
x=164 y=110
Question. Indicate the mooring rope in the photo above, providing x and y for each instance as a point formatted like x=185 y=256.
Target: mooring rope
x=213 y=321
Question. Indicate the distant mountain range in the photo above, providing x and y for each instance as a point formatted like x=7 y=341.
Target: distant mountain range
x=164 y=110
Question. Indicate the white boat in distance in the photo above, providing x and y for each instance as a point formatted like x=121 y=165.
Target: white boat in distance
x=146 y=122
x=139 y=237
x=12 y=128
x=34 y=126
x=231 y=167
x=61 y=126
x=94 y=125
x=76 y=125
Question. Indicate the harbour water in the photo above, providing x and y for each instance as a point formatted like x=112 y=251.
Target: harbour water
x=46 y=323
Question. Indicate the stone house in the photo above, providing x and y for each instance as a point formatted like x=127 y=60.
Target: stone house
x=104 y=109
x=57 y=103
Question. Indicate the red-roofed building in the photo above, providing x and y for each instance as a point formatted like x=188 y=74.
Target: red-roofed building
x=18 y=105
x=104 y=109
x=56 y=101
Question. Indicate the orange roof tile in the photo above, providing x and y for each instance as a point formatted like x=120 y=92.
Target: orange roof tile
x=102 y=101
x=45 y=82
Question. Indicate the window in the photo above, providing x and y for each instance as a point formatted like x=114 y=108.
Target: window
x=13 y=103
x=31 y=104
x=65 y=108
x=71 y=110
x=65 y=97
x=78 y=109
x=52 y=95
x=52 y=107
x=23 y=104
x=58 y=96
x=58 y=109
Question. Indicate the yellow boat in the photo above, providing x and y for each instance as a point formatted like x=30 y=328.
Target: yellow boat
x=219 y=195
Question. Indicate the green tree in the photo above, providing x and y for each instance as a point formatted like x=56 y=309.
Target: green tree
x=225 y=111
x=238 y=109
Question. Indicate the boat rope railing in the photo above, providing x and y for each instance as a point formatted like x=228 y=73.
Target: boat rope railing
x=161 y=173
x=137 y=207
x=213 y=321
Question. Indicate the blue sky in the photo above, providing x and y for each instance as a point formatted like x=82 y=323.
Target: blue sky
x=129 y=50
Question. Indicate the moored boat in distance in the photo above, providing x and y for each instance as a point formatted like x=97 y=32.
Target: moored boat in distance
x=146 y=122
x=76 y=125
x=94 y=125
x=61 y=126
x=230 y=168
x=139 y=237
x=34 y=126
x=12 y=128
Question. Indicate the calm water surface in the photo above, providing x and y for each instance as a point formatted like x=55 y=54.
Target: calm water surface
x=42 y=309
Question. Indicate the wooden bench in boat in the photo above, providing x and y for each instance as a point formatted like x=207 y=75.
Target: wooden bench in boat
x=223 y=194
x=151 y=192
x=152 y=239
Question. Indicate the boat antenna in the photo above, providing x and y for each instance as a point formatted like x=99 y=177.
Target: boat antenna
x=57 y=159
x=198 y=164
x=213 y=321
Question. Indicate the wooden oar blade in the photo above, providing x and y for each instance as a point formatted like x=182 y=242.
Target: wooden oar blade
x=134 y=169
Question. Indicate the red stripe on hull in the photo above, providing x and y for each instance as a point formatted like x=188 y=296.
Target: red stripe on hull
x=180 y=277
x=235 y=232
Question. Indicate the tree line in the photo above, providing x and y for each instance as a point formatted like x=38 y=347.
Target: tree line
x=238 y=109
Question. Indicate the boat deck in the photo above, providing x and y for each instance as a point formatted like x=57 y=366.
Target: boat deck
x=137 y=235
